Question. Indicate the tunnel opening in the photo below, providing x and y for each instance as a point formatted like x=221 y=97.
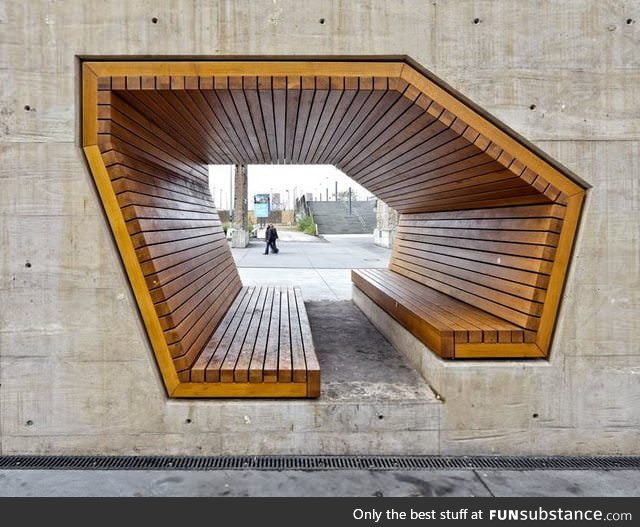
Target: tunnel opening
x=486 y=229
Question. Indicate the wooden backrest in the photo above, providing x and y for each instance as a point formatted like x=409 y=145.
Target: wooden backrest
x=496 y=259
x=164 y=196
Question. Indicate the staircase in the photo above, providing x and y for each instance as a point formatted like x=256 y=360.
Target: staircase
x=332 y=217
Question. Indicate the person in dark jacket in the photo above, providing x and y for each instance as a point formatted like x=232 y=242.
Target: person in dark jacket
x=271 y=235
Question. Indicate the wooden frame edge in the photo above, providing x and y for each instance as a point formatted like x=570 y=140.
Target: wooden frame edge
x=559 y=271
x=241 y=389
x=89 y=106
x=503 y=350
x=132 y=267
x=240 y=68
x=489 y=130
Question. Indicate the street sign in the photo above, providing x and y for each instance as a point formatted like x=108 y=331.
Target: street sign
x=261 y=205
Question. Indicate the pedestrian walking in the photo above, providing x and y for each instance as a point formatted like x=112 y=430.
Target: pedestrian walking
x=271 y=235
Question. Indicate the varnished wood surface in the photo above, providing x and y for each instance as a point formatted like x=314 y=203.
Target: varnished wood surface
x=448 y=326
x=164 y=200
x=384 y=132
x=263 y=340
x=498 y=260
x=485 y=237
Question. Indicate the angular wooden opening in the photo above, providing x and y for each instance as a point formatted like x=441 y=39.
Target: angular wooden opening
x=484 y=242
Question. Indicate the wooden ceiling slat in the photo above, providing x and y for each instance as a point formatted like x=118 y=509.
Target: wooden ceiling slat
x=345 y=119
x=322 y=86
x=279 y=115
x=219 y=134
x=175 y=112
x=376 y=104
x=410 y=137
x=224 y=121
x=390 y=110
x=395 y=129
x=336 y=91
x=150 y=110
x=294 y=87
x=344 y=103
x=267 y=98
x=249 y=125
x=201 y=119
x=307 y=95
x=250 y=88
x=384 y=133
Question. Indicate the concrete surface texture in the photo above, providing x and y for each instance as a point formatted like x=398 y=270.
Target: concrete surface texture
x=301 y=251
x=228 y=483
x=320 y=266
x=76 y=372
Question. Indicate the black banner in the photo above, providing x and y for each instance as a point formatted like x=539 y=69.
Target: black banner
x=322 y=511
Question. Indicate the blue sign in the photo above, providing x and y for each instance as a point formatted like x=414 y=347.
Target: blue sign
x=261 y=205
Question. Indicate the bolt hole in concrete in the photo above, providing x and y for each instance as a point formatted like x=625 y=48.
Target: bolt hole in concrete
x=187 y=421
x=532 y=107
x=28 y=265
x=476 y=20
x=321 y=20
x=29 y=422
x=629 y=21
x=27 y=108
x=381 y=417
x=535 y=416
x=154 y=20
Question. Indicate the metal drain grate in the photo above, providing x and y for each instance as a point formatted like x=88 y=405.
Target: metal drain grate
x=320 y=462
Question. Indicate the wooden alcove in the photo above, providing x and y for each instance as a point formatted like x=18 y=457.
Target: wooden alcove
x=483 y=246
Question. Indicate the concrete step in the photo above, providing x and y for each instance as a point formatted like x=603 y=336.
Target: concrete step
x=332 y=217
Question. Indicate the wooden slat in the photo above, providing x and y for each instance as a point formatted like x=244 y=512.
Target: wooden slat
x=200 y=365
x=298 y=362
x=234 y=336
x=307 y=94
x=254 y=109
x=336 y=90
x=256 y=365
x=438 y=340
x=240 y=369
x=313 y=367
x=559 y=272
x=506 y=350
x=293 y=95
x=89 y=106
x=270 y=367
x=285 y=360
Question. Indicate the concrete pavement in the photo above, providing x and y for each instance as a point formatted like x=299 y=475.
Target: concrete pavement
x=342 y=483
x=321 y=266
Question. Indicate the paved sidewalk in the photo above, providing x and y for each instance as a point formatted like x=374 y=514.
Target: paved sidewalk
x=320 y=266
x=298 y=250
x=556 y=483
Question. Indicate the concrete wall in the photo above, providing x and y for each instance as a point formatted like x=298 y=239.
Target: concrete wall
x=77 y=374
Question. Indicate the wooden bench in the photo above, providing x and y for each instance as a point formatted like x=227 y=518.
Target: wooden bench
x=263 y=339
x=212 y=336
x=470 y=283
x=440 y=321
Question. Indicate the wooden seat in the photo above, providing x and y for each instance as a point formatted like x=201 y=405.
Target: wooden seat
x=262 y=344
x=212 y=337
x=470 y=283
x=443 y=323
